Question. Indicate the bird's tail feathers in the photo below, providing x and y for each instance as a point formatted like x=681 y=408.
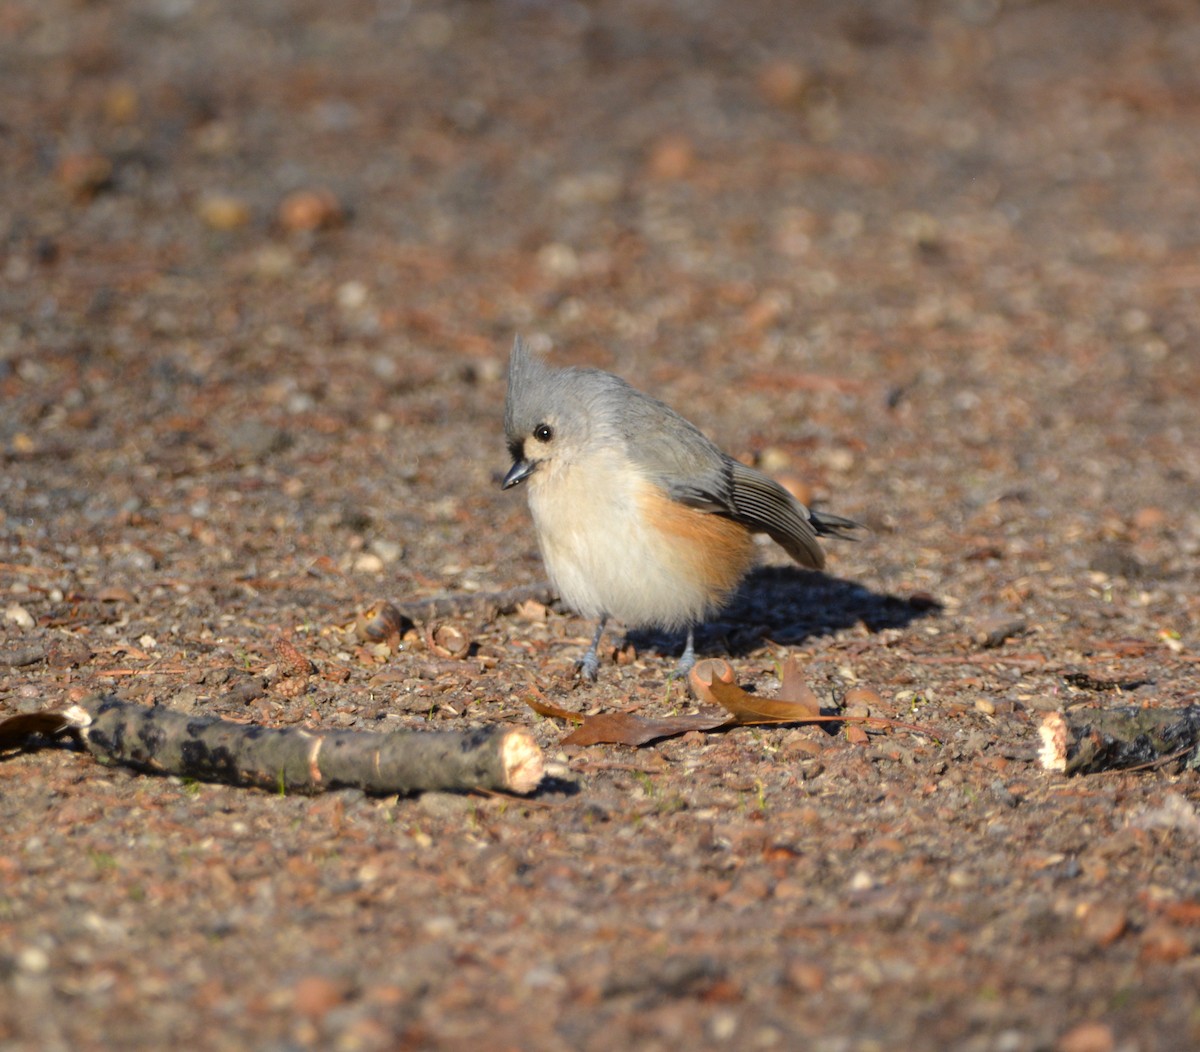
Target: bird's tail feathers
x=829 y=525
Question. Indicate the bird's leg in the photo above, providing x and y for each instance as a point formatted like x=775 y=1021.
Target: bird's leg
x=589 y=664
x=688 y=658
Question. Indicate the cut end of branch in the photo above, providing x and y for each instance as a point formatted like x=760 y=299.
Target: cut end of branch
x=1053 y=732
x=521 y=759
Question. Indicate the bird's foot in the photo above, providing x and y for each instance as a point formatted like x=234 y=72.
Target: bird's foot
x=588 y=667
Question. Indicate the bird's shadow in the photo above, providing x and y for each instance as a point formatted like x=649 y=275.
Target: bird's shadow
x=787 y=605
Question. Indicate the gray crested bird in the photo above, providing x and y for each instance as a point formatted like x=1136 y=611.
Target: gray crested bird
x=638 y=515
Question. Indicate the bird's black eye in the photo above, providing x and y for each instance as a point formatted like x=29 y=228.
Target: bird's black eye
x=543 y=432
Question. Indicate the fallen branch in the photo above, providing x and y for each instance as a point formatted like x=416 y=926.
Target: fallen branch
x=1090 y=741
x=163 y=741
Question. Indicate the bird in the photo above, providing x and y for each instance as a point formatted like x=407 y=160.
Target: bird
x=638 y=515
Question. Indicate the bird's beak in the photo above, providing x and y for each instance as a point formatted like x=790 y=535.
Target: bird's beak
x=518 y=473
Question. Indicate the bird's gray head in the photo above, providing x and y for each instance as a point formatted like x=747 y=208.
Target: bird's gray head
x=551 y=414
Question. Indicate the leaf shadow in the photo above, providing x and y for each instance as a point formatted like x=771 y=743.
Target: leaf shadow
x=788 y=605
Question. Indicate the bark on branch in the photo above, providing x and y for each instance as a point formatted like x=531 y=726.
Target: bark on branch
x=295 y=760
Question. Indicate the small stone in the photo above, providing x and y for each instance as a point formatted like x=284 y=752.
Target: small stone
x=1087 y=1037
x=317 y=209
x=862 y=881
x=1149 y=518
x=388 y=551
x=223 y=211
x=671 y=158
x=251 y=440
x=806 y=976
x=855 y=735
x=352 y=295
x=85 y=174
x=315 y=995
x=1162 y=943
x=16 y=614
x=862 y=699
x=558 y=261
x=368 y=562
x=783 y=83
x=121 y=103
x=33 y=960
x=1103 y=923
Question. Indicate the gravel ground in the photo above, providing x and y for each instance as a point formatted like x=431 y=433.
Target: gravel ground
x=934 y=264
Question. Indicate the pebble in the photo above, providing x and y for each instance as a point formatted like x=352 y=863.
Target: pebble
x=16 y=614
x=671 y=158
x=304 y=210
x=315 y=995
x=805 y=976
x=1087 y=1037
x=388 y=551
x=85 y=174
x=121 y=103
x=1103 y=924
x=862 y=881
x=33 y=960
x=223 y=211
x=1161 y=942
x=863 y=700
x=783 y=83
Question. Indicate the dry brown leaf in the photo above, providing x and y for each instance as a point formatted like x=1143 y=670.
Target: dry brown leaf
x=795 y=689
x=544 y=708
x=713 y=681
x=624 y=728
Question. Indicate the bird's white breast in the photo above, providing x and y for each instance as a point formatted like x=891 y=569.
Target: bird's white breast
x=606 y=555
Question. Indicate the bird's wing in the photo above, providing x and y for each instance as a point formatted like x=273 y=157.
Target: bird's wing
x=694 y=471
x=762 y=505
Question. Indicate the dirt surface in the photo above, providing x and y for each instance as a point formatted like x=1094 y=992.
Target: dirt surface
x=936 y=263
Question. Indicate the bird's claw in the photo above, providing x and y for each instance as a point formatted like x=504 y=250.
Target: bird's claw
x=588 y=667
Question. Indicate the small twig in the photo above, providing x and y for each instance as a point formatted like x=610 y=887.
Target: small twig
x=989 y=658
x=44 y=571
x=484 y=605
x=1161 y=761
x=117 y=673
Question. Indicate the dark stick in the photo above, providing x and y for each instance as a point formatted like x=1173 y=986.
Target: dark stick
x=290 y=759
